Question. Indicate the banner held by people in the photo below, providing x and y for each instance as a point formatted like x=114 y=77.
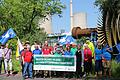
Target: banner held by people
x=53 y=63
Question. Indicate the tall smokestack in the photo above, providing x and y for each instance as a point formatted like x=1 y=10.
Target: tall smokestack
x=71 y=16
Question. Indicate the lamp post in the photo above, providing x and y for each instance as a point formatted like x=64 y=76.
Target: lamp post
x=71 y=16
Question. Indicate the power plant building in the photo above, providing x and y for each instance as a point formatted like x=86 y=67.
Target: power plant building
x=46 y=23
x=80 y=20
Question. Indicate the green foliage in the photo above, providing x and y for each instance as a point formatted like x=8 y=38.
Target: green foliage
x=23 y=16
x=81 y=40
x=110 y=10
x=16 y=64
x=39 y=36
x=13 y=44
x=115 y=69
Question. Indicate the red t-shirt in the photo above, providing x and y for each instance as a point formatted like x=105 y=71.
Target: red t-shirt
x=27 y=55
x=46 y=50
x=87 y=55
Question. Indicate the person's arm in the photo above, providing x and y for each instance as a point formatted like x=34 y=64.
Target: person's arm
x=42 y=51
x=93 y=49
x=23 y=60
x=109 y=50
x=3 y=53
x=10 y=54
x=51 y=52
x=94 y=56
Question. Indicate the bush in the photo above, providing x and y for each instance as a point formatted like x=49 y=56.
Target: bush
x=115 y=69
x=16 y=64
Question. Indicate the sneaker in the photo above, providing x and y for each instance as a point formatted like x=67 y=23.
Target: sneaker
x=7 y=75
x=84 y=75
x=50 y=77
x=44 y=77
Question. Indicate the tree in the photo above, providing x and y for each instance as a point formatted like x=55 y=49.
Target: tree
x=23 y=15
x=109 y=24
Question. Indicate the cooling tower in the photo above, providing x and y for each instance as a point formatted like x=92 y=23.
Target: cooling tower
x=80 y=20
x=46 y=23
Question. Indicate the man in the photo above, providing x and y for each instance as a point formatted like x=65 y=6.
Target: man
x=58 y=53
x=35 y=44
x=37 y=51
x=21 y=61
x=46 y=50
x=1 y=57
x=107 y=59
x=27 y=62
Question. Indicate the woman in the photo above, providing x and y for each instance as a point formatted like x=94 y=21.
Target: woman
x=78 y=62
x=67 y=53
x=98 y=59
x=87 y=60
x=8 y=59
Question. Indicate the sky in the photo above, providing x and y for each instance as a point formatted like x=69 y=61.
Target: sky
x=86 y=6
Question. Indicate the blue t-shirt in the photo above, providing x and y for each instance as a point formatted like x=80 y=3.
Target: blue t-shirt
x=98 y=54
x=67 y=53
x=37 y=51
x=105 y=47
x=107 y=56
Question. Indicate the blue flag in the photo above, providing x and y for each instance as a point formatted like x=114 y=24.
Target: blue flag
x=7 y=35
x=67 y=40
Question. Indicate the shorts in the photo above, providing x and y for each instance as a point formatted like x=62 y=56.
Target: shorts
x=107 y=64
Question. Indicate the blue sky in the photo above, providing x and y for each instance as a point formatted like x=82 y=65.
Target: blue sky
x=86 y=6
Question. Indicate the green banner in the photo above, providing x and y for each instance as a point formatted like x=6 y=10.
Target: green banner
x=54 y=63
x=60 y=61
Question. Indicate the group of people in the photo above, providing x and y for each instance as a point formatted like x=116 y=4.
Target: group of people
x=86 y=55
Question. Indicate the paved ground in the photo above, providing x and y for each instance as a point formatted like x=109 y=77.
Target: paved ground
x=19 y=77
